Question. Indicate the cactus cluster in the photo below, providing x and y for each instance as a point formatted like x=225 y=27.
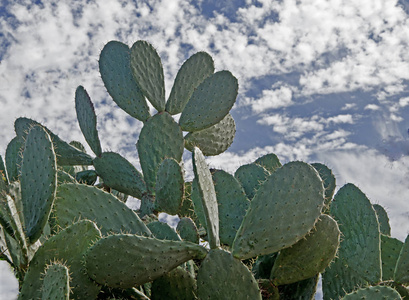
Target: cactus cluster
x=266 y=232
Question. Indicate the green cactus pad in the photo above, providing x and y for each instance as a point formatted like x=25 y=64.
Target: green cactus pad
x=308 y=256
x=373 y=293
x=87 y=177
x=160 y=138
x=79 y=201
x=147 y=70
x=207 y=196
x=390 y=250
x=177 y=284
x=187 y=230
x=3 y=171
x=301 y=290
x=136 y=259
x=163 y=231
x=64 y=177
x=233 y=204
x=263 y=265
x=329 y=181
x=194 y=70
x=251 y=177
x=402 y=265
x=56 y=283
x=87 y=119
x=170 y=187
x=297 y=188
x=221 y=276
x=210 y=102
x=69 y=246
x=14 y=158
x=118 y=173
x=67 y=155
x=213 y=140
x=196 y=199
x=270 y=162
x=383 y=219
x=116 y=72
x=39 y=174
x=360 y=229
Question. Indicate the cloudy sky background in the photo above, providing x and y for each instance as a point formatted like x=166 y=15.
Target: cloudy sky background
x=320 y=80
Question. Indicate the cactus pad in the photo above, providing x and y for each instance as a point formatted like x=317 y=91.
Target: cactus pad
x=210 y=102
x=69 y=245
x=329 y=181
x=251 y=176
x=170 y=187
x=374 y=292
x=14 y=157
x=402 y=264
x=163 y=231
x=187 y=230
x=383 y=219
x=221 y=276
x=308 y=256
x=160 y=138
x=56 y=283
x=118 y=173
x=39 y=174
x=390 y=250
x=213 y=140
x=177 y=284
x=301 y=290
x=295 y=187
x=136 y=260
x=233 y=204
x=270 y=162
x=87 y=119
x=194 y=70
x=148 y=72
x=208 y=197
x=78 y=201
x=115 y=69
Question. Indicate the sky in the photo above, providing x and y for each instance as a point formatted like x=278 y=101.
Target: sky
x=319 y=80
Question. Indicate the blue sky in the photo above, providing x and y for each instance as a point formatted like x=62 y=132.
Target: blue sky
x=320 y=80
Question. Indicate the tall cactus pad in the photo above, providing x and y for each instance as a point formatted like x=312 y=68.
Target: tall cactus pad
x=309 y=256
x=196 y=200
x=187 y=230
x=148 y=72
x=56 y=283
x=383 y=219
x=301 y=290
x=251 y=176
x=208 y=197
x=270 y=162
x=14 y=157
x=170 y=187
x=163 y=231
x=177 y=284
x=67 y=155
x=39 y=174
x=221 y=276
x=210 y=102
x=329 y=181
x=390 y=250
x=196 y=69
x=78 y=201
x=160 y=138
x=297 y=188
x=233 y=204
x=69 y=245
x=374 y=292
x=87 y=119
x=135 y=260
x=213 y=140
x=360 y=229
x=118 y=173
x=116 y=72
x=402 y=265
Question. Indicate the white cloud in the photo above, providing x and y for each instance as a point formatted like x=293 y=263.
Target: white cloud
x=372 y=107
x=346 y=119
x=273 y=98
x=403 y=102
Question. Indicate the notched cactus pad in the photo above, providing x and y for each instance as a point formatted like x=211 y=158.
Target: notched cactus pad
x=268 y=227
x=38 y=181
x=270 y=162
x=196 y=69
x=221 y=276
x=210 y=102
x=115 y=69
x=148 y=72
x=118 y=173
x=135 y=260
x=251 y=177
x=213 y=140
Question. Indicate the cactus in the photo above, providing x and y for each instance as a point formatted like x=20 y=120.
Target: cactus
x=268 y=227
